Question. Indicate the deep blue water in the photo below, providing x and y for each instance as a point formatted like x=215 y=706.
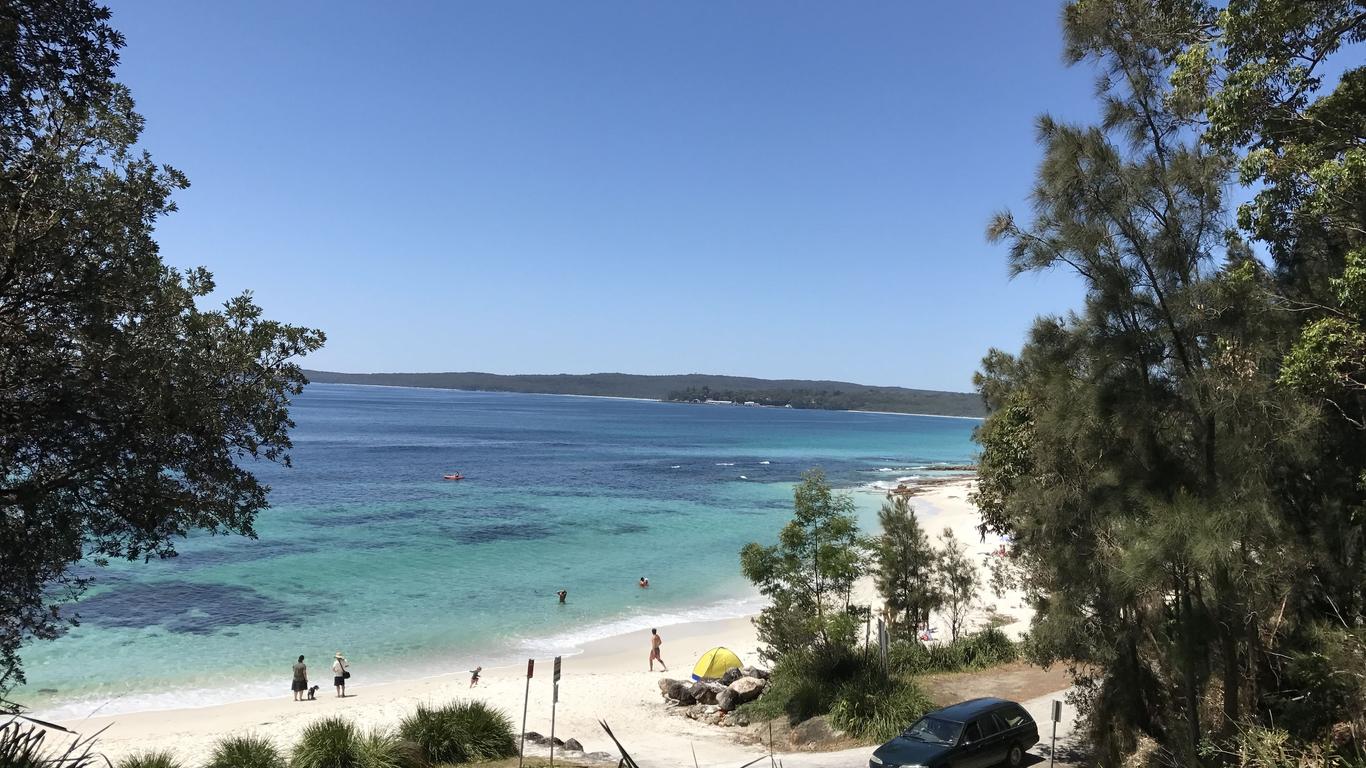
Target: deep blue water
x=367 y=549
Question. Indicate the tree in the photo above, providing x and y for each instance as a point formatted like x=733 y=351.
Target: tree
x=810 y=573
x=129 y=411
x=957 y=580
x=904 y=574
x=1186 y=521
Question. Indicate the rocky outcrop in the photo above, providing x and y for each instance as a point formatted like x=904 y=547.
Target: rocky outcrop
x=679 y=691
x=731 y=676
x=748 y=688
x=711 y=701
x=572 y=745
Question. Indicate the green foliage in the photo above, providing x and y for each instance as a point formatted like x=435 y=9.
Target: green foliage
x=982 y=650
x=246 y=752
x=809 y=574
x=876 y=708
x=956 y=581
x=26 y=746
x=1171 y=459
x=134 y=412
x=153 y=759
x=327 y=743
x=460 y=732
x=904 y=571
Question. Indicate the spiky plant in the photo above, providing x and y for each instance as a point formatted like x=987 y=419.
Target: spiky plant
x=153 y=759
x=246 y=752
x=25 y=746
x=328 y=743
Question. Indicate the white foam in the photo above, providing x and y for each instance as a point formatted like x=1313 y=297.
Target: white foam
x=725 y=463
x=765 y=462
x=573 y=641
x=742 y=477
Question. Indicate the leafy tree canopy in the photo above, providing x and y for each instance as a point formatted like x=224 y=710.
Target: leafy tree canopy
x=130 y=413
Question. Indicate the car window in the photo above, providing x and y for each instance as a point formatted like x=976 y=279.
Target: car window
x=989 y=726
x=1013 y=716
x=972 y=733
x=934 y=731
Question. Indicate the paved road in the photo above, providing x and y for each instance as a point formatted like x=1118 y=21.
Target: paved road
x=1040 y=709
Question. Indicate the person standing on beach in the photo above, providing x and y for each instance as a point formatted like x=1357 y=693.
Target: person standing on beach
x=339 y=674
x=300 y=683
x=655 y=642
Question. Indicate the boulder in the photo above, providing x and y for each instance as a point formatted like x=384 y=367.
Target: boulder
x=747 y=688
x=731 y=676
x=816 y=729
x=704 y=693
x=556 y=742
x=534 y=737
x=573 y=745
x=727 y=700
x=677 y=690
x=762 y=674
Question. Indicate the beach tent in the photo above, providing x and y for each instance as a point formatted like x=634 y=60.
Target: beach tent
x=714 y=663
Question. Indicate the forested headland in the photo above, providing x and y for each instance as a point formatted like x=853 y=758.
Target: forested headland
x=799 y=393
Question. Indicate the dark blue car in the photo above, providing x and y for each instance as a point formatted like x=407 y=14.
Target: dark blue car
x=972 y=734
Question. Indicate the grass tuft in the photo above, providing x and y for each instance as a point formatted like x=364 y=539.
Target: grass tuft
x=246 y=752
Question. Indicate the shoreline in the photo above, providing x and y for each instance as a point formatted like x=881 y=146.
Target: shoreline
x=607 y=679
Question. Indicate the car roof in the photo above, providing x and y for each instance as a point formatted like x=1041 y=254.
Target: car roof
x=964 y=711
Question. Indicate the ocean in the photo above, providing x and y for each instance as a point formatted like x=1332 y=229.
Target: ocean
x=366 y=548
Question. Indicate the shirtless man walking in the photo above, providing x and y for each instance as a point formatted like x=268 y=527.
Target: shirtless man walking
x=655 y=642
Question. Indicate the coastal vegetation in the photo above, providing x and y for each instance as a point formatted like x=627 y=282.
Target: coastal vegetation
x=692 y=387
x=130 y=409
x=816 y=635
x=459 y=732
x=246 y=752
x=1181 y=463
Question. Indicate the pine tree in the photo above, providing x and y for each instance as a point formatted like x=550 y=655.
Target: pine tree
x=905 y=566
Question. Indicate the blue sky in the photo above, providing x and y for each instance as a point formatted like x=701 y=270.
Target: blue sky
x=777 y=189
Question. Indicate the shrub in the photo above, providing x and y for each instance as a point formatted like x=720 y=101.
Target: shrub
x=155 y=759
x=24 y=746
x=246 y=752
x=328 y=743
x=460 y=732
x=876 y=708
x=980 y=651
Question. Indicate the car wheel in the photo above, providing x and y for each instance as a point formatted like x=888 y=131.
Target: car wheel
x=1015 y=757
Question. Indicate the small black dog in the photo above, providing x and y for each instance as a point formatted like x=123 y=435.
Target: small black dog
x=311 y=692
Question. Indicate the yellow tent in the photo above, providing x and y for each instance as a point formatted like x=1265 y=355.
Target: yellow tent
x=714 y=663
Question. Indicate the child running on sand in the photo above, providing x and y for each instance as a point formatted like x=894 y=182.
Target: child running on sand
x=474 y=676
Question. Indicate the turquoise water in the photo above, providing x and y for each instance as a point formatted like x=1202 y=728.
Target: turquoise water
x=366 y=548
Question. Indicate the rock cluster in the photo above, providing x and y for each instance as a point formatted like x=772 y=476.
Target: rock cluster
x=567 y=747
x=715 y=701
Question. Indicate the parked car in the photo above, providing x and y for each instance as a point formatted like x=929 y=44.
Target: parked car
x=971 y=734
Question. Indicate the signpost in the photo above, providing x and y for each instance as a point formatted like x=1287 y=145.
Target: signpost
x=521 y=750
x=882 y=639
x=1057 y=715
x=554 y=699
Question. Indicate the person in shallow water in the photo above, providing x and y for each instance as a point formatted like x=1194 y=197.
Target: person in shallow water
x=562 y=594
x=300 y=683
x=644 y=582
x=655 y=642
x=340 y=673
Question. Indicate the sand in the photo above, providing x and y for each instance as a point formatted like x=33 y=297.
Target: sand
x=610 y=680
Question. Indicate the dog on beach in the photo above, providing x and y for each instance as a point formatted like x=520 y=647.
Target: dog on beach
x=312 y=693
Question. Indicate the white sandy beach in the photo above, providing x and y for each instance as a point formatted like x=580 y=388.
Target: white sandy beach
x=608 y=681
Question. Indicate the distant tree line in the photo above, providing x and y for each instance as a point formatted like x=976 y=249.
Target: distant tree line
x=824 y=399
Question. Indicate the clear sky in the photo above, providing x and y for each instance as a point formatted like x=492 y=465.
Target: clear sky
x=776 y=189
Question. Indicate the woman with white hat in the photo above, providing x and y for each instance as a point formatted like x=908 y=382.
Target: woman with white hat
x=339 y=673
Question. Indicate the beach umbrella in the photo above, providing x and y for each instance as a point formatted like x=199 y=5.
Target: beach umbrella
x=714 y=663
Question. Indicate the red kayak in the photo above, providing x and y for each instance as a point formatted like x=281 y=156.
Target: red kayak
x=455 y=476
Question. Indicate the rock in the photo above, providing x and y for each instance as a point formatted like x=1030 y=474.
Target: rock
x=677 y=690
x=704 y=693
x=812 y=730
x=573 y=745
x=557 y=742
x=740 y=719
x=731 y=676
x=762 y=674
x=727 y=700
x=534 y=737
x=747 y=688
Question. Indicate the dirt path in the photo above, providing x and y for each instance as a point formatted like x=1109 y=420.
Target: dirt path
x=1017 y=681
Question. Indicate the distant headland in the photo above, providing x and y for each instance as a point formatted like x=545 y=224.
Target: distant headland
x=689 y=387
